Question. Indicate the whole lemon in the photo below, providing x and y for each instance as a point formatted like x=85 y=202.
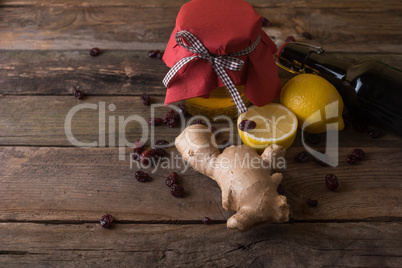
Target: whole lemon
x=315 y=102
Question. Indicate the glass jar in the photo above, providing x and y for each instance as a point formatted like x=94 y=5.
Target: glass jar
x=219 y=103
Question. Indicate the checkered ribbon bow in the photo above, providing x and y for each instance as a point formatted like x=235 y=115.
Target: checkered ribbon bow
x=219 y=63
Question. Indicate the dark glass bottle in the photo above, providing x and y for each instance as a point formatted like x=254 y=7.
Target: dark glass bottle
x=371 y=91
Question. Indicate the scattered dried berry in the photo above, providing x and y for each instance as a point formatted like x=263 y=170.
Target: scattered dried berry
x=106 y=221
x=172 y=114
x=199 y=122
x=138 y=144
x=155 y=121
x=247 y=125
x=146 y=157
x=313 y=139
x=207 y=220
x=172 y=179
x=160 y=55
x=141 y=176
x=170 y=123
x=281 y=189
x=302 y=157
x=312 y=203
x=359 y=154
x=153 y=53
x=265 y=22
x=94 y=52
x=290 y=38
x=307 y=35
x=374 y=133
x=351 y=159
x=177 y=190
x=332 y=182
x=182 y=110
x=161 y=142
x=78 y=94
x=137 y=153
x=159 y=152
x=213 y=130
x=146 y=100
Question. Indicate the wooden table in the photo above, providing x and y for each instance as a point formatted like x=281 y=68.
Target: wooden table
x=54 y=193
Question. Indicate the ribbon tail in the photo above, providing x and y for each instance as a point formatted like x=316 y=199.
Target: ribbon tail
x=238 y=101
x=172 y=72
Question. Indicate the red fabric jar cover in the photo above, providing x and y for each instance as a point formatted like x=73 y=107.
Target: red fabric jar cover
x=223 y=26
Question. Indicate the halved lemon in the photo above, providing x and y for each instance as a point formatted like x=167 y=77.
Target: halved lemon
x=276 y=124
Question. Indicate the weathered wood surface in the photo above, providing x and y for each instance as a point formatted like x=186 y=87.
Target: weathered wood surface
x=41 y=120
x=54 y=193
x=67 y=27
x=113 y=73
x=126 y=245
x=79 y=184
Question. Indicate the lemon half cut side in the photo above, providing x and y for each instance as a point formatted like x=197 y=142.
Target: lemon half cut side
x=276 y=124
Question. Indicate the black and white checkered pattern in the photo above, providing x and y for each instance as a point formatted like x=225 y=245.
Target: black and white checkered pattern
x=219 y=63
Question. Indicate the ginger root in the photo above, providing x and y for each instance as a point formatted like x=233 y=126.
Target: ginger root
x=249 y=189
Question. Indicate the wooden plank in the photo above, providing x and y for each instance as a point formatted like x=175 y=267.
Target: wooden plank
x=285 y=245
x=122 y=27
x=372 y=4
x=58 y=72
x=40 y=121
x=80 y=184
x=112 y=73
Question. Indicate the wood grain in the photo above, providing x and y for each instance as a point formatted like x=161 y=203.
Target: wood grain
x=69 y=27
x=40 y=121
x=285 y=245
x=79 y=184
x=112 y=73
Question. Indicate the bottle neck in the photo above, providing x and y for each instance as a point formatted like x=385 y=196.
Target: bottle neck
x=301 y=58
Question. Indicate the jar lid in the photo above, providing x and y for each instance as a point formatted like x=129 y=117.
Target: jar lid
x=223 y=27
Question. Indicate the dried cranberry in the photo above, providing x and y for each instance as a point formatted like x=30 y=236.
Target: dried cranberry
x=177 y=190
x=332 y=182
x=265 y=22
x=146 y=100
x=359 y=154
x=172 y=179
x=247 y=125
x=199 y=122
x=106 y=221
x=281 y=189
x=137 y=152
x=307 y=35
x=155 y=121
x=302 y=157
x=312 y=203
x=374 y=133
x=351 y=159
x=146 y=157
x=207 y=220
x=161 y=142
x=138 y=144
x=172 y=114
x=153 y=53
x=171 y=123
x=141 y=176
x=160 y=55
x=290 y=38
x=78 y=94
x=159 y=152
x=183 y=110
x=313 y=139
x=94 y=52
x=213 y=130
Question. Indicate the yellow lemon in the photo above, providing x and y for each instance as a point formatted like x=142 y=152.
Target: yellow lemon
x=316 y=103
x=274 y=124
